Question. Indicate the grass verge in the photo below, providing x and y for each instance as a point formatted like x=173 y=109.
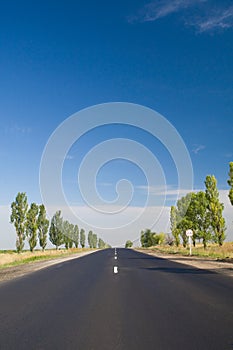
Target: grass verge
x=224 y=253
x=11 y=258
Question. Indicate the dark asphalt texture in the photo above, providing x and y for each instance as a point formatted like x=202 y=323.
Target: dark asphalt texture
x=152 y=303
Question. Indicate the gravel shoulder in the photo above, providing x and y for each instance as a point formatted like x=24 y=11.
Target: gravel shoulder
x=9 y=273
x=214 y=265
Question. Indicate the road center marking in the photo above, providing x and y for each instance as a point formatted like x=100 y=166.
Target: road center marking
x=115 y=269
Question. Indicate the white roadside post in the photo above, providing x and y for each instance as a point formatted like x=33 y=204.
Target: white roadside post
x=189 y=234
x=115 y=268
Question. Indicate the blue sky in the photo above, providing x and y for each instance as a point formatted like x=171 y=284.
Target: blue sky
x=58 y=57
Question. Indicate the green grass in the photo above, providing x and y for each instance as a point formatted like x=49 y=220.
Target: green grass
x=26 y=257
x=33 y=259
x=212 y=251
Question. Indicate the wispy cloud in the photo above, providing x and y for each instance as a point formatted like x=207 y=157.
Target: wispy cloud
x=228 y=155
x=200 y=14
x=220 y=18
x=168 y=190
x=17 y=129
x=198 y=148
x=162 y=8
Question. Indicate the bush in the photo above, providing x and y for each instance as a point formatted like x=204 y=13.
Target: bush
x=128 y=244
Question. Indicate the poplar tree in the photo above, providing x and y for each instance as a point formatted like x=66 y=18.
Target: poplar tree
x=82 y=238
x=215 y=208
x=94 y=241
x=56 y=230
x=200 y=218
x=90 y=239
x=173 y=221
x=18 y=217
x=31 y=226
x=67 y=234
x=76 y=236
x=101 y=244
x=183 y=219
x=43 y=226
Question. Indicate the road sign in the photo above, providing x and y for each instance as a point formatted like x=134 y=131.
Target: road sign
x=189 y=233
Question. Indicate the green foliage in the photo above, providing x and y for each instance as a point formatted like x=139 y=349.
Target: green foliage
x=56 y=230
x=95 y=241
x=82 y=238
x=230 y=182
x=75 y=235
x=43 y=226
x=32 y=226
x=183 y=219
x=90 y=239
x=215 y=208
x=201 y=212
x=67 y=231
x=149 y=239
x=174 y=229
x=107 y=245
x=101 y=244
x=19 y=217
x=159 y=238
x=128 y=244
x=200 y=218
x=146 y=238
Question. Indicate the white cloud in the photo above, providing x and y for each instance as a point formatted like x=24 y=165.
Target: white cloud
x=198 y=148
x=162 y=8
x=18 y=129
x=220 y=18
x=200 y=14
x=169 y=191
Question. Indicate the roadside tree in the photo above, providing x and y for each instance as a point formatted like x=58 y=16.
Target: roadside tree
x=56 y=230
x=82 y=238
x=32 y=226
x=19 y=217
x=128 y=244
x=215 y=208
x=43 y=226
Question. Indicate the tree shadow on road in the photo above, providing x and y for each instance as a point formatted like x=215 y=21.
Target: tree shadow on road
x=180 y=270
x=147 y=258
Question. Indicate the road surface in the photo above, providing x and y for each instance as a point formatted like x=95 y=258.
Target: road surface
x=151 y=303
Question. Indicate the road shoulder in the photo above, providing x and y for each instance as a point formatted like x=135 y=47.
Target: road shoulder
x=225 y=268
x=12 y=272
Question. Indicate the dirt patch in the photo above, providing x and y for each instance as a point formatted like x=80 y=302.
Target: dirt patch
x=199 y=262
x=9 y=273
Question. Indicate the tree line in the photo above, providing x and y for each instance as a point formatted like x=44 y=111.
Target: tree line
x=31 y=224
x=201 y=211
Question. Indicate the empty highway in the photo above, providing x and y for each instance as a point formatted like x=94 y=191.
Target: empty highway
x=151 y=303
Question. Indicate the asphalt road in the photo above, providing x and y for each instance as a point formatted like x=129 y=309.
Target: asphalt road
x=152 y=303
